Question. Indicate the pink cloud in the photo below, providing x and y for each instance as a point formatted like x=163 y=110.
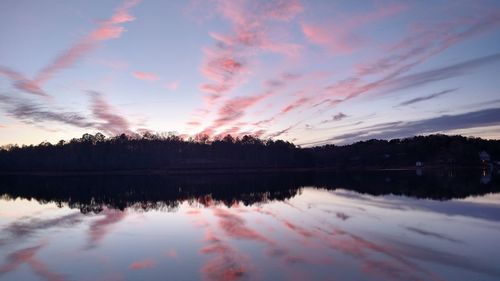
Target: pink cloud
x=144 y=264
x=106 y=30
x=339 y=36
x=422 y=44
x=326 y=35
x=146 y=76
x=295 y=104
x=231 y=111
x=235 y=108
x=223 y=67
x=426 y=41
x=172 y=86
x=22 y=83
x=228 y=64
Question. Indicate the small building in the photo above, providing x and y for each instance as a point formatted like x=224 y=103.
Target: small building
x=484 y=156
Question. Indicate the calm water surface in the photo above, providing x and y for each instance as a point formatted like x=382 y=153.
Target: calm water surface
x=250 y=228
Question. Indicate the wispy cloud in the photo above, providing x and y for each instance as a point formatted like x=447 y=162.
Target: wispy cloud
x=146 y=76
x=339 y=35
x=481 y=118
x=235 y=108
x=428 y=97
x=32 y=113
x=438 y=74
x=110 y=121
x=104 y=117
x=337 y=117
x=172 y=86
x=106 y=30
x=228 y=64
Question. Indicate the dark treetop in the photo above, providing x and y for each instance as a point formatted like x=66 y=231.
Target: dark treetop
x=96 y=153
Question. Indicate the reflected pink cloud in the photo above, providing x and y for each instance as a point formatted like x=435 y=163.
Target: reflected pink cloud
x=198 y=220
x=235 y=226
x=393 y=264
x=226 y=263
x=27 y=255
x=172 y=254
x=193 y=212
x=300 y=230
x=99 y=229
x=143 y=264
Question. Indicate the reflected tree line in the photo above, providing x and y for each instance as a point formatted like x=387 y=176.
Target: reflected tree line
x=94 y=193
x=172 y=153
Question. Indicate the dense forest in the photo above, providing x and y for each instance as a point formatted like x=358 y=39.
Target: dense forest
x=171 y=153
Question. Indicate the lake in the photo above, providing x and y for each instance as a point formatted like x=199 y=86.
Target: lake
x=390 y=225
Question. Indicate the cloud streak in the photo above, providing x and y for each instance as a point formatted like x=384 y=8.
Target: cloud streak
x=339 y=36
x=428 y=97
x=443 y=123
x=145 y=76
x=104 y=117
x=106 y=30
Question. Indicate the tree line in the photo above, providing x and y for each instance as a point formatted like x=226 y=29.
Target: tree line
x=171 y=152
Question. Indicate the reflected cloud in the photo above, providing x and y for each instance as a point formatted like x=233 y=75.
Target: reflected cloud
x=27 y=255
x=172 y=254
x=100 y=228
x=401 y=203
x=226 y=263
x=235 y=226
x=432 y=234
x=342 y=216
x=27 y=227
x=143 y=264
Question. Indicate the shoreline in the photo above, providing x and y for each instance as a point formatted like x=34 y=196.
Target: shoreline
x=214 y=171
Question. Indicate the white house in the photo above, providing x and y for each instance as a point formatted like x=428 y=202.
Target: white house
x=484 y=156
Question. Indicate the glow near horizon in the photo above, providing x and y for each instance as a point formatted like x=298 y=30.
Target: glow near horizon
x=311 y=72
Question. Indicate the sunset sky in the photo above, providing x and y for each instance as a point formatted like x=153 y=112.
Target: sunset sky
x=310 y=72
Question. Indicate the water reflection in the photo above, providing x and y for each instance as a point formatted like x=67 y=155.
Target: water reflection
x=94 y=193
x=350 y=226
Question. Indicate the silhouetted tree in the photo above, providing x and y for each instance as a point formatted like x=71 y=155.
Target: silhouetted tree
x=170 y=152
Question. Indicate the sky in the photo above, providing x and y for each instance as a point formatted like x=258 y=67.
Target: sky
x=310 y=72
